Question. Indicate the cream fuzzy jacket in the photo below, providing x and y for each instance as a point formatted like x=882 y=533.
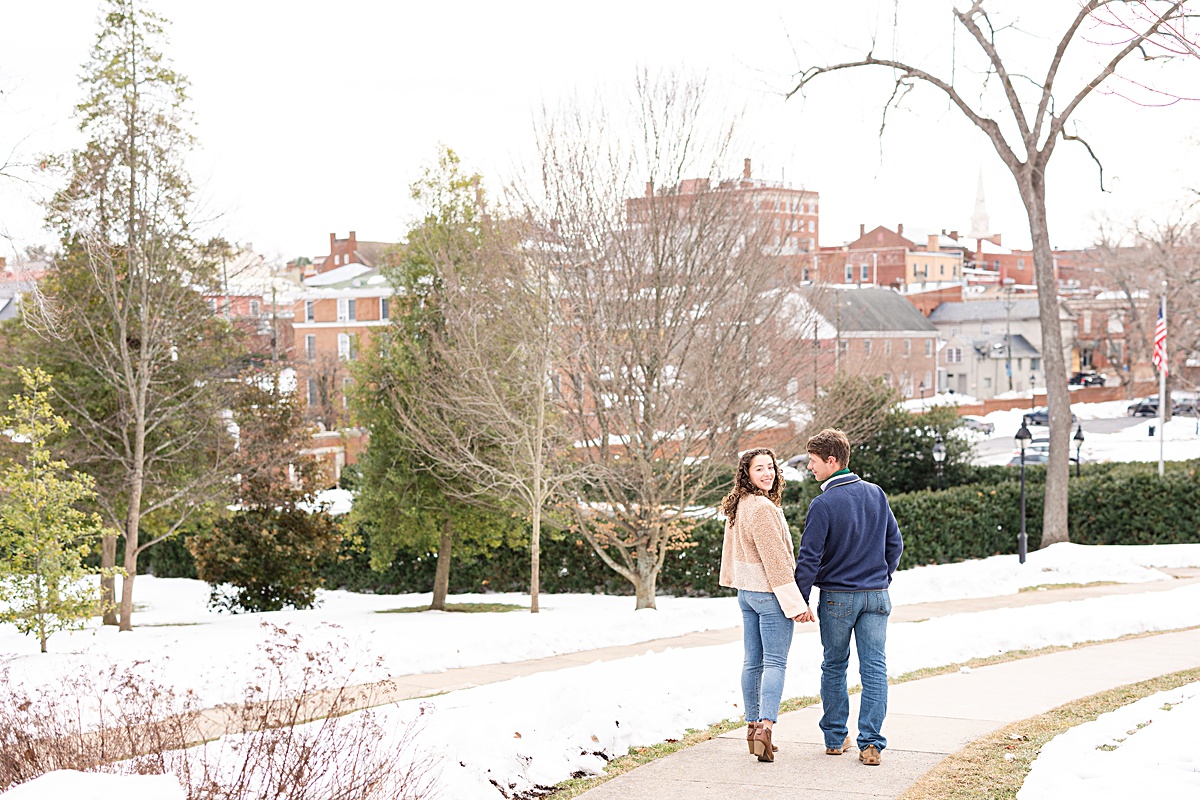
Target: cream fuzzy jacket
x=757 y=554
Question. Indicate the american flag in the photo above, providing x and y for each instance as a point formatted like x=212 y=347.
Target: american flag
x=1160 y=343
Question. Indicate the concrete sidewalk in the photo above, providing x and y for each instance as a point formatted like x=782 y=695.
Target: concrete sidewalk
x=927 y=720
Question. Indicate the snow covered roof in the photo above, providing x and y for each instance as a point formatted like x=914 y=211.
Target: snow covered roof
x=337 y=275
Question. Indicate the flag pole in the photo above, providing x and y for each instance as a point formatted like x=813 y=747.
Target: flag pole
x=1163 y=400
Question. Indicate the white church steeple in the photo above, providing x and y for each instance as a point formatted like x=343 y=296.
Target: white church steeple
x=979 y=220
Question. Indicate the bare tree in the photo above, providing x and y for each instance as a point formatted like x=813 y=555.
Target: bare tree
x=680 y=349
x=143 y=365
x=1031 y=121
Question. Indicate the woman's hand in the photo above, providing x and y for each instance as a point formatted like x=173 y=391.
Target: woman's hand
x=806 y=616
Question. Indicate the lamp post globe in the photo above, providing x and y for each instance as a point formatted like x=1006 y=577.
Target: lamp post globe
x=939 y=455
x=1023 y=436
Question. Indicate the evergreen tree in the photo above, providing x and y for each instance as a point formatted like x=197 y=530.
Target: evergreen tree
x=403 y=499
x=264 y=557
x=44 y=537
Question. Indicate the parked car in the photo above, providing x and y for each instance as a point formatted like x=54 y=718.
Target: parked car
x=1041 y=416
x=1036 y=456
x=1087 y=379
x=974 y=423
x=1186 y=407
x=1145 y=407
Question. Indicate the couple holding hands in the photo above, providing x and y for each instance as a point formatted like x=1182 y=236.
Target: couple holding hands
x=849 y=550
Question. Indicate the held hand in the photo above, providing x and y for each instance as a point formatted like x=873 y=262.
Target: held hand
x=806 y=616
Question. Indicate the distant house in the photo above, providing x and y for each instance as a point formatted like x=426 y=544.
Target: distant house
x=868 y=331
x=995 y=346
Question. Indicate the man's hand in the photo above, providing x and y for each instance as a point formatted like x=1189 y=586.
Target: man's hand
x=806 y=616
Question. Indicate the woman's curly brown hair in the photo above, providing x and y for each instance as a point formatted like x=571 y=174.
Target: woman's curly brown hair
x=743 y=486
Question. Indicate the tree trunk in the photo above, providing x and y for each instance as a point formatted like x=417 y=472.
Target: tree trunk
x=1054 y=368
x=108 y=583
x=133 y=519
x=441 y=576
x=647 y=580
x=535 y=557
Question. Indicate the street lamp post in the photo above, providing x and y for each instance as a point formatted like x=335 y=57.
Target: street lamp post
x=939 y=455
x=1023 y=436
x=921 y=389
x=1032 y=381
x=1078 y=447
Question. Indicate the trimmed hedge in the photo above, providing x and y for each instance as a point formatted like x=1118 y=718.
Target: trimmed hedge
x=1110 y=504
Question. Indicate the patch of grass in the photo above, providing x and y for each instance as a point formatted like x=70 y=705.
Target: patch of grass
x=637 y=756
x=1044 y=587
x=466 y=608
x=995 y=766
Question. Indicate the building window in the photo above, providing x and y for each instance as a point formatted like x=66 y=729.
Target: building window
x=1087 y=320
x=887 y=349
x=954 y=355
x=345 y=309
x=987 y=330
x=987 y=383
x=867 y=346
x=1020 y=263
x=843 y=346
x=941 y=269
x=866 y=272
x=255 y=308
x=313 y=396
x=212 y=304
x=804 y=274
x=1035 y=364
x=309 y=311
x=346 y=392
x=849 y=273
x=384 y=310
x=928 y=347
x=344 y=345
x=310 y=346
x=907 y=348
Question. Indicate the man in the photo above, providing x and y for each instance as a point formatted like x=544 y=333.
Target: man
x=850 y=548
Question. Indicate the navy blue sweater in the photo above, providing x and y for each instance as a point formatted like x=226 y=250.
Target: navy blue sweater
x=851 y=542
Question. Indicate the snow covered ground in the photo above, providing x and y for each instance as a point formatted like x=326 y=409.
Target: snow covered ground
x=541 y=729
x=1134 y=443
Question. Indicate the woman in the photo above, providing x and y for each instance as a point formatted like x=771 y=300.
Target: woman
x=758 y=560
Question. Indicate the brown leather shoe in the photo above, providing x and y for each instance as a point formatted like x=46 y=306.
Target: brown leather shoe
x=751 y=727
x=762 y=744
x=837 y=751
x=870 y=756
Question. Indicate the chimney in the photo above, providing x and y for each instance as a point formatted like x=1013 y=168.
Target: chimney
x=353 y=243
x=862 y=230
x=746 y=169
x=933 y=243
x=954 y=235
x=900 y=229
x=3 y=262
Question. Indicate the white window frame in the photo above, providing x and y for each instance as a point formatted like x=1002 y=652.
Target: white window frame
x=310 y=346
x=343 y=345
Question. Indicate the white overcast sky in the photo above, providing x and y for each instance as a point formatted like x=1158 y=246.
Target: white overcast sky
x=314 y=117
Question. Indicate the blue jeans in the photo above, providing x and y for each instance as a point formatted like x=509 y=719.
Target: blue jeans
x=768 y=637
x=866 y=614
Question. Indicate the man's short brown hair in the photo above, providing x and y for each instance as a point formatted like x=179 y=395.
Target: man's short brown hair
x=830 y=442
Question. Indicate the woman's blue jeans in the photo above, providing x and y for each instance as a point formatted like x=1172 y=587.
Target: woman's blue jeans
x=768 y=637
x=865 y=614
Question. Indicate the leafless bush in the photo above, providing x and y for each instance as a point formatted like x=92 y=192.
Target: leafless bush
x=292 y=737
